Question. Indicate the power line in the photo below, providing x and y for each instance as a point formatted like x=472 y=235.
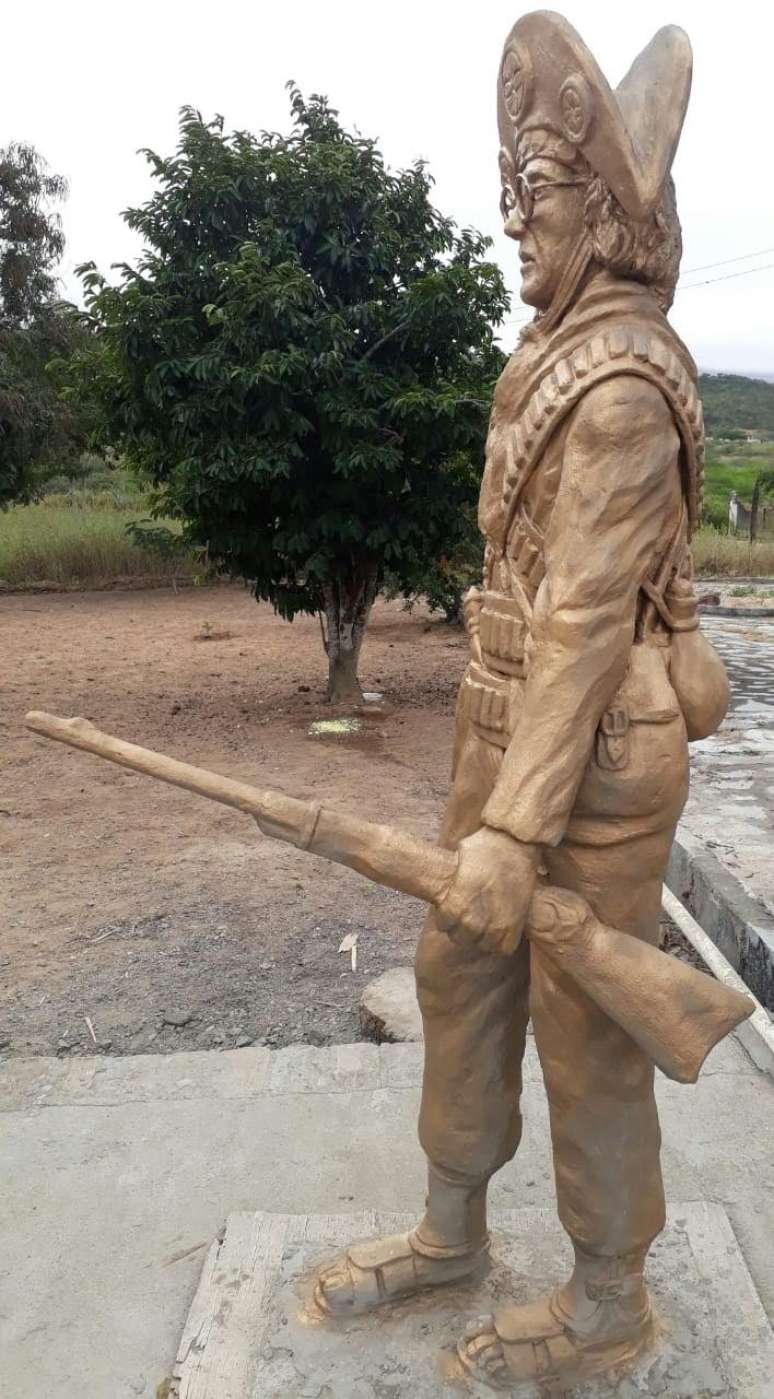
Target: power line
x=708 y=281
x=728 y=277
x=707 y=266
x=518 y=320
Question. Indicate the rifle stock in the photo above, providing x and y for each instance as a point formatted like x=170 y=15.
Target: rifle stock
x=674 y=1013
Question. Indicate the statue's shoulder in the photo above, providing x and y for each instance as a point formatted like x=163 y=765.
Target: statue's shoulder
x=571 y=371
x=624 y=404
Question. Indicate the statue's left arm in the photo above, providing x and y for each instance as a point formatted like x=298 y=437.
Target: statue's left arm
x=610 y=519
x=612 y=513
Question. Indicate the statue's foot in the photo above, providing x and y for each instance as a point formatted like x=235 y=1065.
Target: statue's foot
x=539 y=1343
x=384 y=1270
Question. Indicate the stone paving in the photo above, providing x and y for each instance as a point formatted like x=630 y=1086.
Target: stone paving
x=253 y=1332
x=731 y=807
x=119 y=1172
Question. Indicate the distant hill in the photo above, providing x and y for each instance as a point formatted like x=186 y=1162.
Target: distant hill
x=732 y=401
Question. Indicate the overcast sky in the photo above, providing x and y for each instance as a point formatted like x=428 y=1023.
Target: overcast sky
x=90 y=83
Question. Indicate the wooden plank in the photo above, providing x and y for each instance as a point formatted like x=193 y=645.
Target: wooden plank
x=216 y=1358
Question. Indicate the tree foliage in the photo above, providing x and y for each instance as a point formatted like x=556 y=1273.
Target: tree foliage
x=735 y=404
x=31 y=238
x=302 y=361
x=35 y=423
x=38 y=427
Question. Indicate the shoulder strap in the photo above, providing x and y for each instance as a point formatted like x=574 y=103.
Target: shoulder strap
x=621 y=350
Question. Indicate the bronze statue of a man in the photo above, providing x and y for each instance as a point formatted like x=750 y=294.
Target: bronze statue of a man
x=586 y=678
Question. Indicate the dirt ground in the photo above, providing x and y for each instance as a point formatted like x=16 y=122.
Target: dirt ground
x=137 y=918
x=158 y=920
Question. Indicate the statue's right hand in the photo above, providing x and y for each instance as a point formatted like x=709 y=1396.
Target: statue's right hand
x=488 y=898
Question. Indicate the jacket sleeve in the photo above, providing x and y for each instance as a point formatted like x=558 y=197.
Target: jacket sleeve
x=614 y=503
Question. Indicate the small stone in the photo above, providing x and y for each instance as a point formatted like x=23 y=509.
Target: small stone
x=316 y=1037
x=244 y=1041
x=389 y=1011
x=178 y=1018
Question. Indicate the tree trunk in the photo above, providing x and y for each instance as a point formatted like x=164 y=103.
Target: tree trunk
x=348 y=602
x=754 y=504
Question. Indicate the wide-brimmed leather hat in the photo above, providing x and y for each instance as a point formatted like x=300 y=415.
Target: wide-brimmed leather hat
x=550 y=81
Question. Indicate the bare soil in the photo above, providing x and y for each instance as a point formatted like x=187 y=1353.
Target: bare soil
x=138 y=918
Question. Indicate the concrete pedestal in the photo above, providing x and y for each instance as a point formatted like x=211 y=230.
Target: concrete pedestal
x=251 y=1333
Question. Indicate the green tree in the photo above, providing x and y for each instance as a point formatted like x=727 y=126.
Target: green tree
x=38 y=427
x=36 y=424
x=442 y=579
x=763 y=486
x=31 y=238
x=302 y=362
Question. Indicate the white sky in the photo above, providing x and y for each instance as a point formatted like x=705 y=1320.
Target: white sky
x=89 y=83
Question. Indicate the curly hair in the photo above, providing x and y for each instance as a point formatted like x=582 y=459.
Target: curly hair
x=647 y=251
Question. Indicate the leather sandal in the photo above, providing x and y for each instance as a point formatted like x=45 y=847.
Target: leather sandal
x=377 y=1271
x=538 y=1343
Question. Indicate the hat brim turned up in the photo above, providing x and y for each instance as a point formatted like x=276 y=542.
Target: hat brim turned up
x=550 y=81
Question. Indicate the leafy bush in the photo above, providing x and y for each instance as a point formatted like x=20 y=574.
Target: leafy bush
x=305 y=346
x=442 y=582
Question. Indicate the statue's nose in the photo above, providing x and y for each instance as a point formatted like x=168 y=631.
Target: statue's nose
x=514 y=225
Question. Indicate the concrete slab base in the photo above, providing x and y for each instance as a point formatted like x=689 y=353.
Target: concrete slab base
x=252 y=1332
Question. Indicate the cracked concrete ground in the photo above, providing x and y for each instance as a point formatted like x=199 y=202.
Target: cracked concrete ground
x=119 y=1172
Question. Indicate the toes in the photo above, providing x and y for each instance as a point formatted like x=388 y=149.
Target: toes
x=482 y=1347
x=482 y=1325
x=495 y=1362
x=334 y=1285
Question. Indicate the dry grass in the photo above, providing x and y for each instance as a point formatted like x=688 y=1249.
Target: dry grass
x=74 y=542
x=80 y=541
x=717 y=554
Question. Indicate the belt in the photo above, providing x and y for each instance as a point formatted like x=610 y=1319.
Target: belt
x=488 y=704
x=502 y=633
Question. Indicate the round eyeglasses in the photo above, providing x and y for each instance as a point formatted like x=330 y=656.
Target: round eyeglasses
x=518 y=196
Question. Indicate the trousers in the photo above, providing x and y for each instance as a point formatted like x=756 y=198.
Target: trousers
x=476 y=1007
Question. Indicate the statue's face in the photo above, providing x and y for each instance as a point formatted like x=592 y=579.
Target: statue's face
x=543 y=210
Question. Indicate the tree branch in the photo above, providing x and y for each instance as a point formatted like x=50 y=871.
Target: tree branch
x=390 y=333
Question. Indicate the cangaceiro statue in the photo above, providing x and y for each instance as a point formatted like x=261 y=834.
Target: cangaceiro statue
x=587 y=678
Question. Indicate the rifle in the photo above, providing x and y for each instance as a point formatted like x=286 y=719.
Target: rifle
x=674 y=1013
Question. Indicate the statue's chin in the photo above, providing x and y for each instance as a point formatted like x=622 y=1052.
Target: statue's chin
x=531 y=293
